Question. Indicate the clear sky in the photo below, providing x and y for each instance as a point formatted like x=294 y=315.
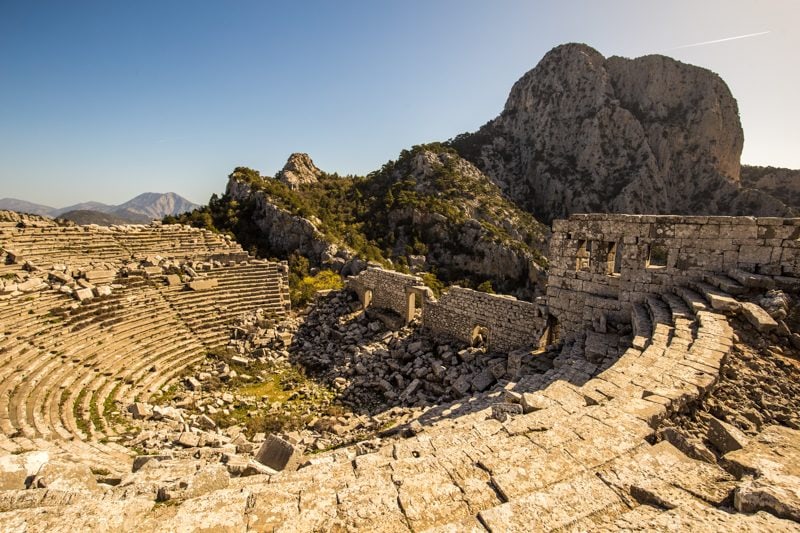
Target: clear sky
x=102 y=100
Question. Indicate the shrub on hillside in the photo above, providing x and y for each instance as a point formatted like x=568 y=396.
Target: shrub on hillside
x=306 y=287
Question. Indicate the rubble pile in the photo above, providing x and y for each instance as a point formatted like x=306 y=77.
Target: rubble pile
x=374 y=368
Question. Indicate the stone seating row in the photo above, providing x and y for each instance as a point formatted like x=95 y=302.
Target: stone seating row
x=83 y=244
x=240 y=289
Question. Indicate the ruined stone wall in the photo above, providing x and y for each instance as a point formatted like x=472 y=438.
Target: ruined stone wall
x=510 y=323
x=601 y=264
x=389 y=289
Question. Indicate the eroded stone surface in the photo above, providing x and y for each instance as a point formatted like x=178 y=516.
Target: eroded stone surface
x=773 y=461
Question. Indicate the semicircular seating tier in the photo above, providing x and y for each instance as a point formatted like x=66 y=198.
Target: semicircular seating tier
x=67 y=367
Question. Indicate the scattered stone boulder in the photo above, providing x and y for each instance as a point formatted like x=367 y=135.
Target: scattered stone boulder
x=140 y=460
x=140 y=411
x=173 y=280
x=84 y=294
x=103 y=290
x=193 y=384
x=759 y=318
x=501 y=411
x=278 y=454
x=240 y=466
x=208 y=478
x=187 y=439
x=205 y=422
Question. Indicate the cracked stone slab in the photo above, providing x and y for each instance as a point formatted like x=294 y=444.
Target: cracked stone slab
x=578 y=501
x=663 y=466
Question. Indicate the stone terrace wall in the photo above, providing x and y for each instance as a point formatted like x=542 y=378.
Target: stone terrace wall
x=389 y=289
x=600 y=264
x=511 y=323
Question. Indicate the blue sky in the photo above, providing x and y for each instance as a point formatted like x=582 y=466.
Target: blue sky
x=104 y=100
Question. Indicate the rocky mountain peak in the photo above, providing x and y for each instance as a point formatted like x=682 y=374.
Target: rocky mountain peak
x=299 y=169
x=582 y=133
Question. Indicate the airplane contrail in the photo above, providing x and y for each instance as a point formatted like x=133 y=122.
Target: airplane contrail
x=722 y=40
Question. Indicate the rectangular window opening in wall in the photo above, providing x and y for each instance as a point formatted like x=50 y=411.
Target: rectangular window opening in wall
x=657 y=256
x=583 y=256
x=613 y=258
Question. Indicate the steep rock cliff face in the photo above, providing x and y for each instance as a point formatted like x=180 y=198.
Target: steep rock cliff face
x=582 y=133
x=284 y=232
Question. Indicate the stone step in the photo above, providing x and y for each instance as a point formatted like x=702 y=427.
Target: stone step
x=725 y=284
x=694 y=301
x=752 y=280
x=719 y=300
x=787 y=283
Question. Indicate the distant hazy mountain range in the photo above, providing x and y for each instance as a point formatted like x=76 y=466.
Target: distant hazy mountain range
x=142 y=209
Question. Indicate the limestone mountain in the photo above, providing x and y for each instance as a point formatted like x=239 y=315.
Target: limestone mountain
x=141 y=209
x=782 y=183
x=430 y=210
x=22 y=206
x=156 y=205
x=583 y=133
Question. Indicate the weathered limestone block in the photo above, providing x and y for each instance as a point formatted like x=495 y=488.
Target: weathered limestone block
x=32 y=284
x=140 y=410
x=140 y=460
x=100 y=276
x=83 y=295
x=483 y=380
x=188 y=439
x=205 y=422
x=203 y=284
x=278 y=454
x=59 y=277
x=461 y=386
x=773 y=457
x=240 y=466
x=193 y=384
x=749 y=279
x=725 y=437
x=65 y=476
x=207 y=479
x=103 y=290
x=16 y=469
x=759 y=318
